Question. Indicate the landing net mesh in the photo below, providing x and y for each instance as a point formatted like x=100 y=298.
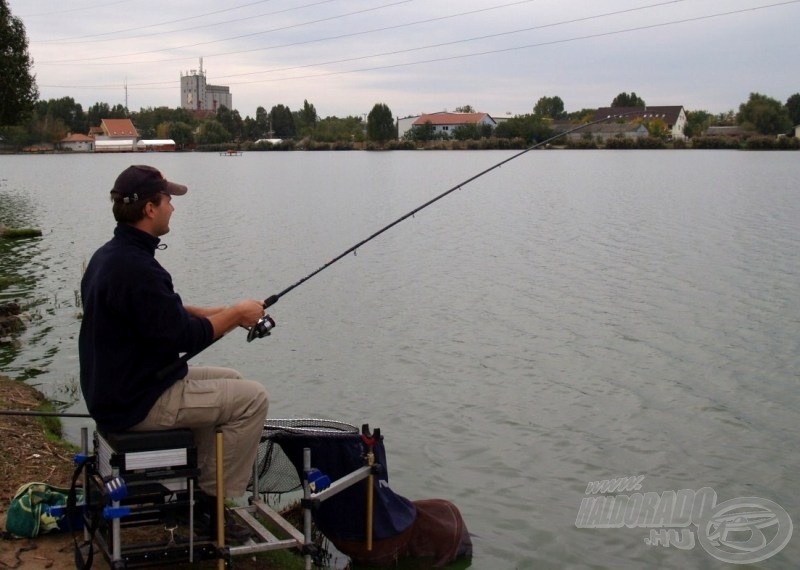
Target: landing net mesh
x=274 y=470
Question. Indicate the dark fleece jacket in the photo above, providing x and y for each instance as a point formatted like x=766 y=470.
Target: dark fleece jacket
x=134 y=326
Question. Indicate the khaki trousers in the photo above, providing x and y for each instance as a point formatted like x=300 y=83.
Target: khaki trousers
x=206 y=399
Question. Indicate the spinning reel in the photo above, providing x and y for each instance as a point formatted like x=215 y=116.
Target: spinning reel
x=261 y=329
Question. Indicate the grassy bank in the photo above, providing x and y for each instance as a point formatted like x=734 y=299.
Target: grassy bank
x=33 y=450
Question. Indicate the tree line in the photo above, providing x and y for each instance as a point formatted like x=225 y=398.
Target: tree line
x=50 y=121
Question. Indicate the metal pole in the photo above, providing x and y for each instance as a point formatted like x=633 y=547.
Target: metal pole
x=220 y=500
x=191 y=520
x=254 y=496
x=85 y=451
x=307 y=507
x=370 y=497
x=116 y=528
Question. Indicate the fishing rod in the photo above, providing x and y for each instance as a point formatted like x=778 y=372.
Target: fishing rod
x=264 y=325
x=261 y=330
x=42 y=414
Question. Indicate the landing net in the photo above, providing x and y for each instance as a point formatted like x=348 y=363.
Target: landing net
x=431 y=529
x=275 y=471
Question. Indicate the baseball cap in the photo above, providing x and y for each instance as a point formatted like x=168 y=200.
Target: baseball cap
x=138 y=182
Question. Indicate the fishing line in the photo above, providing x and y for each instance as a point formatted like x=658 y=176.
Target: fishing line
x=272 y=299
x=266 y=323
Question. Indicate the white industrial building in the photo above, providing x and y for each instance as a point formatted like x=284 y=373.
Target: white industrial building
x=198 y=95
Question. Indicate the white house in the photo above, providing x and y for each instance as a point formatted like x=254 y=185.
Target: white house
x=404 y=125
x=77 y=143
x=446 y=123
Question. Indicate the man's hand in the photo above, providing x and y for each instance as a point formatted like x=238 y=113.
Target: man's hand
x=250 y=311
x=242 y=314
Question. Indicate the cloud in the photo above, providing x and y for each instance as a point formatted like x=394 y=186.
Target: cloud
x=416 y=56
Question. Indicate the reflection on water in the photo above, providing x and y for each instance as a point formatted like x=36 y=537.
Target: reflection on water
x=573 y=317
x=26 y=266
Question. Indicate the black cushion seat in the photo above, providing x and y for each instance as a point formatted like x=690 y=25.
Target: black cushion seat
x=132 y=441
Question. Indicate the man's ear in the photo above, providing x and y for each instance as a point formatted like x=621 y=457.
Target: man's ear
x=149 y=210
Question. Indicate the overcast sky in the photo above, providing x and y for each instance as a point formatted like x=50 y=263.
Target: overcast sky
x=343 y=56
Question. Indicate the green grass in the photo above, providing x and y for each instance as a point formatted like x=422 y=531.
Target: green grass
x=6 y=280
x=52 y=424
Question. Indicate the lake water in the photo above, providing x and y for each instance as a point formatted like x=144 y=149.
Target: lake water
x=571 y=317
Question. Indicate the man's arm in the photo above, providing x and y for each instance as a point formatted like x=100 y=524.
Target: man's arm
x=223 y=319
x=202 y=311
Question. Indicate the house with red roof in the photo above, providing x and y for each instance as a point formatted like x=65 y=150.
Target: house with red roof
x=446 y=123
x=119 y=129
x=77 y=143
x=119 y=135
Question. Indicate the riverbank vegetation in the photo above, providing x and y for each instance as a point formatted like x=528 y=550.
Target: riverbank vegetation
x=19 y=233
x=762 y=123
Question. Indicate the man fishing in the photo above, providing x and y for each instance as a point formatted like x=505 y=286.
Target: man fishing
x=134 y=328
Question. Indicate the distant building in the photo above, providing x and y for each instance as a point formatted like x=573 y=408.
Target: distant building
x=446 y=123
x=498 y=119
x=404 y=125
x=118 y=129
x=119 y=135
x=115 y=145
x=155 y=145
x=602 y=132
x=198 y=95
x=77 y=143
x=673 y=115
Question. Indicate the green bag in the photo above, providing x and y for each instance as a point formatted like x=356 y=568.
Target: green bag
x=28 y=514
